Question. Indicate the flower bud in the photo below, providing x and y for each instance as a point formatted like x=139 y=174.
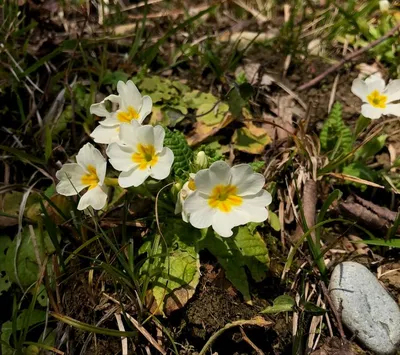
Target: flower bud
x=201 y=160
x=384 y=5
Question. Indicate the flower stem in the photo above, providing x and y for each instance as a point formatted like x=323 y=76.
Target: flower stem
x=111 y=181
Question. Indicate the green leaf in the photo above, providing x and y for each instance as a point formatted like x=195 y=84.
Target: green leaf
x=176 y=271
x=24 y=257
x=5 y=282
x=281 y=304
x=257 y=166
x=211 y=113
x=313 y=309
x=360 y=170
x=361 y=124
x=25 y=319
x=238 y=98
x=194 y=99
x=250 y=139
x=243 y=250
x=112 y=77
x=372 y=147
x=274 y=221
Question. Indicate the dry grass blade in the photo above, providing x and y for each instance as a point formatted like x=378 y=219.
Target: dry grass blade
x=355 y=179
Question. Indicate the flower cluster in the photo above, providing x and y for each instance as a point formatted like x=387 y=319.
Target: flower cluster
x=220 y=196
x=134 y=149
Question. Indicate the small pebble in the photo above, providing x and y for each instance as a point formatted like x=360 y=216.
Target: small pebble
x=366 y=307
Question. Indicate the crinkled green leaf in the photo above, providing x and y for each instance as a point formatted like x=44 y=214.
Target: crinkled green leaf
x=369 y=149
x=274 y=221
x=281 y=304
x=360 y=170
x=25 y=319
x=27 y=267
x=112 y=77
x=257 y=166
x=249 y=140
x=10 y=203
x=177 y=271
x=238 y=98
x=211 y=114
x=194 y=99
x=313 y=309
x=243 y=250
x=5 y=282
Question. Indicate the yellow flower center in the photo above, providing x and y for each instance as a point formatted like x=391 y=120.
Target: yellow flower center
x=145 y=156
x=91 y=179
x=224 y=197
x=128 y=115
x=192 y=184
x=376 y=99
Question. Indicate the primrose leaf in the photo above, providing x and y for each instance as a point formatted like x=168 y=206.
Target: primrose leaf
x=9 y=207
x=112 y=77
x=150 y=84
x=27 y=267
x=369 y=149
x=177 y=270
x=250 y=139
x=362 y=171
x=238 y=98
x=274 y=221
x=282 y=303
x=211 y=114
x=243 y=250
x=5 y=282
x=25 y=319
x=194 y=99
x=313 y=309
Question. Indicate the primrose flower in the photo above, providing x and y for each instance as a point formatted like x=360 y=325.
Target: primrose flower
x=140 y=154
x=377 y=97
x=226 y=197
x=187 y=189
x=88 y=171
x=131 y=107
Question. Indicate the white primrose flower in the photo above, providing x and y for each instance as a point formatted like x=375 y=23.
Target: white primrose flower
x=377 y=97
x=227 y=197
x=187 y=189
x=131 y=107
x=140 y=154
x=88 y=171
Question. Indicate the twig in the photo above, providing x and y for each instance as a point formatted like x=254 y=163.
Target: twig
x=255 y=321
x=349 y=57
x=334 y=310
x=248 y=341
x=309 y=206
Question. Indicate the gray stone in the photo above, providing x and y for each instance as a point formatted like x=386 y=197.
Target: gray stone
x=366 y=307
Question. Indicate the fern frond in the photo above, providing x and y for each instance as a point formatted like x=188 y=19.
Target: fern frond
x=176 y=141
